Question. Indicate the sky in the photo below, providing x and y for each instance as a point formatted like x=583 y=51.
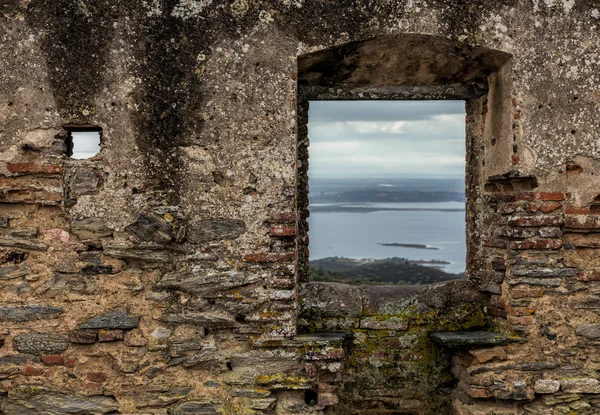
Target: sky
x=386 y=139
x=86 y=144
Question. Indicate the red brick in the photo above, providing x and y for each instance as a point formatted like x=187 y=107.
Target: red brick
x=577 y=210
x=83 y=337
x=31 y=196
x=589 y=276
x=521 y=321
x=556 y=196
x=70 y=362
x=524 y=196
x=520 y=311
x=475 y=392
x=33 y=168
x=97 y=377
x=526 y=292
x=550 y=207
x=269 y=257
x=53 y=360
x=284 y=217
x=536 y=244
x=110 y=335
x=281 y=230
x=32 y=371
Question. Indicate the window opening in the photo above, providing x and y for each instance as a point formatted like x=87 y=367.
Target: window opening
x=387 y=191
x=83 y=142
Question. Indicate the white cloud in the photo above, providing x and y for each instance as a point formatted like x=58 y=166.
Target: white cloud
x=366 y=127
x=426 y=145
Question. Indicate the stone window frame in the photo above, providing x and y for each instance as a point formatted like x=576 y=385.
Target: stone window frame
x=488 y=122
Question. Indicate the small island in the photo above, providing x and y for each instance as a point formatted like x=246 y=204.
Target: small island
x=416 y=246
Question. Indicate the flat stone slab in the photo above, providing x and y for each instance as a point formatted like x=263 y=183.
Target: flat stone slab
x=29 y=312
x=459 y=339
x=111 y=320
x=31 y=400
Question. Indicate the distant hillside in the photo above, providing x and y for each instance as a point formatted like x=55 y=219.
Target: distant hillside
x=385 y=271
x=386 y=196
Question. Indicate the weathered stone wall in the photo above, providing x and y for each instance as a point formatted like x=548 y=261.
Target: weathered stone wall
x=161 y=276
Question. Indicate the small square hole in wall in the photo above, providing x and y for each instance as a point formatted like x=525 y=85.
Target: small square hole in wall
x=83 y=142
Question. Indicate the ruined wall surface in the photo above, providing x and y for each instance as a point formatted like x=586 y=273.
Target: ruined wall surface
x=160 y=277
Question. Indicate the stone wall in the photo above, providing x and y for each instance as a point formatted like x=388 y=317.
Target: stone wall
x=161 y=276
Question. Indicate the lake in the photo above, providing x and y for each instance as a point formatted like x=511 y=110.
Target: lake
x=359 y=235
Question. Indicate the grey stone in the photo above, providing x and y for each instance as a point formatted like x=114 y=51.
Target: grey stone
x=36 y=400
x=389 y=299
x=111 y=320
x=545 y=282
x=14 y=271
x=23 y=243
x=544 y=386
x=590 y=331
x=22 y=233
x=138 y=253
x=205 y=319
x=65 y=283
x=178 y=348
x=330 y=299
x=29 y=313
x=206 y=283
x=584 y=385
x=151 y=228
x=544 y=272
x=193 y=408
x=215 y=229
x=19 y=359
x=84 y=181
x=206 y=359
x=40 y=343
x=90 y=229
x=470 y=338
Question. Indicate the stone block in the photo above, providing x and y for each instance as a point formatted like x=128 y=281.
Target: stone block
x=193 y=408
x=215 y=230
x=583 y=385
x=110 y=335
x=111 y=320
x=90 y=229
x=40 y=343
x=29 y=313
x=83 y=336
x=590 y=331
x=470 y=339
x=151 y=228
x=544 y=386
x=206 y=283
x=35 y=400
x=487 y=355
x=329 y=300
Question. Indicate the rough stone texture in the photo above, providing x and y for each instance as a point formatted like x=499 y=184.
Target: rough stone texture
x=193 y=214
x=40 y=343
x=470 y=339
x=29 y=312
x=111 y=320
x=30 y=400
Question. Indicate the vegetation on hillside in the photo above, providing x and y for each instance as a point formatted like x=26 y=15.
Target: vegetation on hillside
x=399 y=271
